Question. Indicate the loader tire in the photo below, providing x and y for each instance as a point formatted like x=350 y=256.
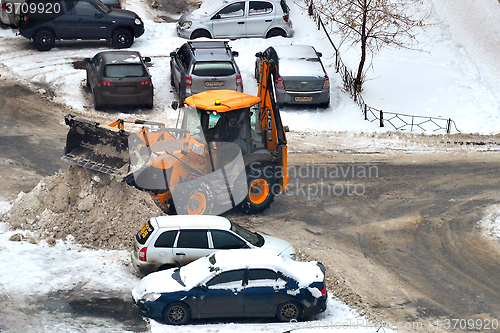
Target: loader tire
x=260 y=189
x=197 y=199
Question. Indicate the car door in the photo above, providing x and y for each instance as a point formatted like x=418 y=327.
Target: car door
x=260 y=17
x=62 y=18
x=222 y=295
x=230 y=21
x=93 y=71
x=163 y=248
x=191 y=244
x=264 y=290
x=90 y=22
x=179 y=66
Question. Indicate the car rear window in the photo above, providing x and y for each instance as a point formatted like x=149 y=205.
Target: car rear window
x=143 y=234
x=132 y=70
x=213 y=68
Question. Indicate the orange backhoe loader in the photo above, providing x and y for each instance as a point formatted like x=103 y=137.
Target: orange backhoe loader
x=228 y=150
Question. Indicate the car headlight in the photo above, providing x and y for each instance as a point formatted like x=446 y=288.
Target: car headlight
x=138 y=21
x=186 y=25
x=151 y=297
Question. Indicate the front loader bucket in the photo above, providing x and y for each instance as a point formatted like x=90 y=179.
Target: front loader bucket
x=93 y=147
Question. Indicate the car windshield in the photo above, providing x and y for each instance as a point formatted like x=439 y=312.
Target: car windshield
x=129 y=70
x=213 y=68
x=101 y=6
x=252 y=237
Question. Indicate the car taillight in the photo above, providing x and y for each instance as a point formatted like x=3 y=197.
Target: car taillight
x=286 y=18
x=4 y=7
x=323 y=291
x=238 y=80
x=279 y=83
x=189 y=81
x=145 y=83
x=106 y=83
x=118 y=7
x=142 y=254
x=326 y=83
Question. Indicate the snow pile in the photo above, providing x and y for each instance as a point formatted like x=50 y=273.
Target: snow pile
x=492 y=222
x=91 y=208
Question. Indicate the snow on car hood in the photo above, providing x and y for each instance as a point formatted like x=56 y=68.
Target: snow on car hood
x=300 y=67
x=278 y=245
x=207 y=8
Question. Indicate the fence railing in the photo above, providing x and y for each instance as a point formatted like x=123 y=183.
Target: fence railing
x=399 y=121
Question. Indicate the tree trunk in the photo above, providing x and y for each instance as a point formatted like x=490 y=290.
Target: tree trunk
x=358 y=81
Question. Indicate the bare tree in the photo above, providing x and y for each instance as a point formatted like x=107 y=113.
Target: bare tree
x=372 y=23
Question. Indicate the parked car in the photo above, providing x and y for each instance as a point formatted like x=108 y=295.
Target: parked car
x=112 y=3
x=10 y=11
x=83 y=19
x=170 y=241
x=236 y=19
x=204 y=65
x=301 y=78
x=119 y=78
x=234 y=283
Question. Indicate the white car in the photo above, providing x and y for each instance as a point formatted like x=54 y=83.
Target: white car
x=236 y=19
x=171 y=241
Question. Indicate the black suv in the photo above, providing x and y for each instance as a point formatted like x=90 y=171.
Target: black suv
x=44 y=21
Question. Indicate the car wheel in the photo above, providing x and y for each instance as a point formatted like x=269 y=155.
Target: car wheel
x=260 y=189
x=196 y=199
x=275 y=33
x=200 y=34
x=97 y=103
x=289 y=311
x=44 y=40
x=88 y=81
x=172 y=83
x=176 y=314
x=122 y=38
x=325 y=105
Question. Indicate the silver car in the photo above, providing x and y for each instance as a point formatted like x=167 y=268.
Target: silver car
x=170 y=241
x=204 y=65
x=301 y=78
x=10 y=11
x=236 y=19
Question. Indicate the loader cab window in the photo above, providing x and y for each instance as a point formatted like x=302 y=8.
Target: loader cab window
x=256 y=128
x=195 y=120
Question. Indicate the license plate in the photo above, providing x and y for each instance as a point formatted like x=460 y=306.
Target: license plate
x=214 y=83
x=125 y=89
x=303 y=99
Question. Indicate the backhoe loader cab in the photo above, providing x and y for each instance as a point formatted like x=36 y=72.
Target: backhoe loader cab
x=228 y=150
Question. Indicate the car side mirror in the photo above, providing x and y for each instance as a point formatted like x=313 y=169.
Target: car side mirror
x=146 y=59
x=203 y=287
x=286 y=129
x=98 y=15
x=319 y=54
x=87 y=60
x=258 y=54
x=216 y=17
x=175 y=105
x=235 y=53
x=172 y=54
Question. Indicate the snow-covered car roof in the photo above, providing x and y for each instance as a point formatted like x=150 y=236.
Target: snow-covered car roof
x=295 y=51
x=121 y=57
x=192 y=221
x=203 y=269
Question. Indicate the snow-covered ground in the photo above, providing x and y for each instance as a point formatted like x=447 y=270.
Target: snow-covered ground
x=454 y=75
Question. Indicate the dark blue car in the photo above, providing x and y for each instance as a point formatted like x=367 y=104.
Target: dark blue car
x=234 y=283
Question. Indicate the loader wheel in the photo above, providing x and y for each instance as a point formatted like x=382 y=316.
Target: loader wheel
x=197 y=199
x=260 y=189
